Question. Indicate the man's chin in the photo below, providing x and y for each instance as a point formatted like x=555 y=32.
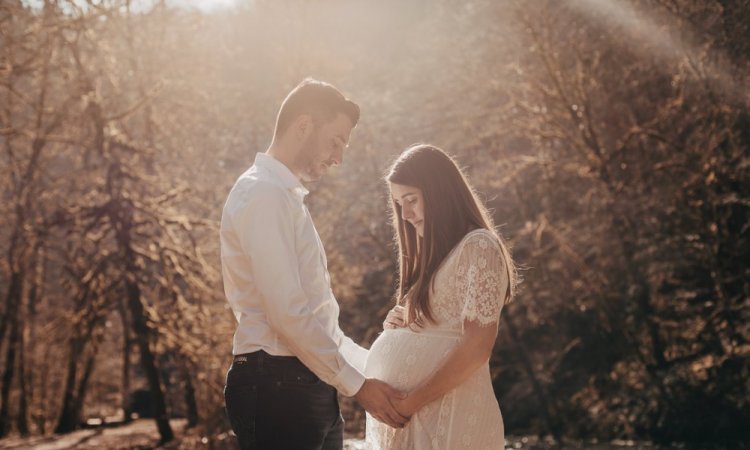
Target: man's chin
x=312 y=176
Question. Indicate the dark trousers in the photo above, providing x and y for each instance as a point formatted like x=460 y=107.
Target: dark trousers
x=276 y=403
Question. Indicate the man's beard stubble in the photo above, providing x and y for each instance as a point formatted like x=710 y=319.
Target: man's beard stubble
x=306 y=160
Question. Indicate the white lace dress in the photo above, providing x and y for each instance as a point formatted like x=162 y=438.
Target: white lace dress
x=470 y=285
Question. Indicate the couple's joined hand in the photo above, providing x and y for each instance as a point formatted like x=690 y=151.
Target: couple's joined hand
x=406 y=407
x=378 y=398
x=395 y=318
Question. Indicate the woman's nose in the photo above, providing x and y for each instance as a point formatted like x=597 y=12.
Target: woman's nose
x=406 y=213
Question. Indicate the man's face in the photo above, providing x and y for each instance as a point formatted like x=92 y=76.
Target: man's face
x=324 y=148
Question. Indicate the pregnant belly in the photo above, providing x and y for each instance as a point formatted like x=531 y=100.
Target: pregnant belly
x=403 y=358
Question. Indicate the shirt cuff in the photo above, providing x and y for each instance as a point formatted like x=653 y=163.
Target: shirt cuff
x=349 y=381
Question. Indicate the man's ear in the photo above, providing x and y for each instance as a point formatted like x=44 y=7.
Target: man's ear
x=303 y=126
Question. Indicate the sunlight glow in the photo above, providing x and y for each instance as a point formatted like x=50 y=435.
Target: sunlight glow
x=206 y=5
x=643 y=30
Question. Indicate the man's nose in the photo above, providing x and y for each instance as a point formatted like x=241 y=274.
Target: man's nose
x=337 y=157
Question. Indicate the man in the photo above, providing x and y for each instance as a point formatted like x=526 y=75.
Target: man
x=290 y=354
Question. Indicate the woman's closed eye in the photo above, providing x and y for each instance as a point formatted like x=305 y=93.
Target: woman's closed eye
x=411 y=201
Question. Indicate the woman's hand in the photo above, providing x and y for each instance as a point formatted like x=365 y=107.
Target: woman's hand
x=406 y=407
x=395 y=318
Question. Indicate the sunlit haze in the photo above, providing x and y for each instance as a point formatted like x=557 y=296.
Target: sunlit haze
x=206 y=5
x=606 y=141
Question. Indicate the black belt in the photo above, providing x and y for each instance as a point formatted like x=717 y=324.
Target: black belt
x=260 y=355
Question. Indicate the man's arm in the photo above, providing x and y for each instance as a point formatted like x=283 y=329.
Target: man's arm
x=265 y=226
x=353 y=352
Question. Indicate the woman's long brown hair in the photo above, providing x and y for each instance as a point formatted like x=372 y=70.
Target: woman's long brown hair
x=451 y=210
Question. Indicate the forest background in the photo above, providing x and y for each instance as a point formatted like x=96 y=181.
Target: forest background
x=610 y=138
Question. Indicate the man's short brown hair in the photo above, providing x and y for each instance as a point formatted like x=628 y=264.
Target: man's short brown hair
x=319 y=99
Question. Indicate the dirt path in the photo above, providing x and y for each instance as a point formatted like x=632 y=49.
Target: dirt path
x=140 y=434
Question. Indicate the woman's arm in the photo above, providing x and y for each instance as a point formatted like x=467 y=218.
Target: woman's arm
x=470 y=354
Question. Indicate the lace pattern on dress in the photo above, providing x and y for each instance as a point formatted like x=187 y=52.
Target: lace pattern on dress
x=481 y=280
x=470 y=286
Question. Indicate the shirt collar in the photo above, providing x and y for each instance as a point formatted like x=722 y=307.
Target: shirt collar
x=282 y=173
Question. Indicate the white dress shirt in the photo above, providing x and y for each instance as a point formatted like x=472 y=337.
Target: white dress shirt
x=276 y=277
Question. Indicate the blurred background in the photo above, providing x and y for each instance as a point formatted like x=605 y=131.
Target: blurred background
x=611 y=138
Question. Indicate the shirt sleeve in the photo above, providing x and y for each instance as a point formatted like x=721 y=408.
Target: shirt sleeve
x=354 y=353
x=265 y=228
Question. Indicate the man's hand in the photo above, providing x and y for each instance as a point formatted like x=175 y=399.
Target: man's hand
x=377 y=398
x=406 y=407
x=395 y=318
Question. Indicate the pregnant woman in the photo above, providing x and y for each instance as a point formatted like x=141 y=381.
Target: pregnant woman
x=455 y=276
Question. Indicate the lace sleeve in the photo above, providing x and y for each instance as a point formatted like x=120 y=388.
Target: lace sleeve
x=482 y=279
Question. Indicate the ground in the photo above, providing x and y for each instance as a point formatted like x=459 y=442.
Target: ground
x=142 y=434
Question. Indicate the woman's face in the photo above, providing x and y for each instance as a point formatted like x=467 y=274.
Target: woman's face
x=411 y=201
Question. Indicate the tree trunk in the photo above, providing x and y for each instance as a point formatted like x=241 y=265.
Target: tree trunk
x=642 y=289
x=22 y=421
x=127 y=346
x=190 y=403
x=544 y=400
x=148 y=361
x=80 y=394
x=10 y=362
x=36 y=292
x=13 y=300
x=68 y=420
